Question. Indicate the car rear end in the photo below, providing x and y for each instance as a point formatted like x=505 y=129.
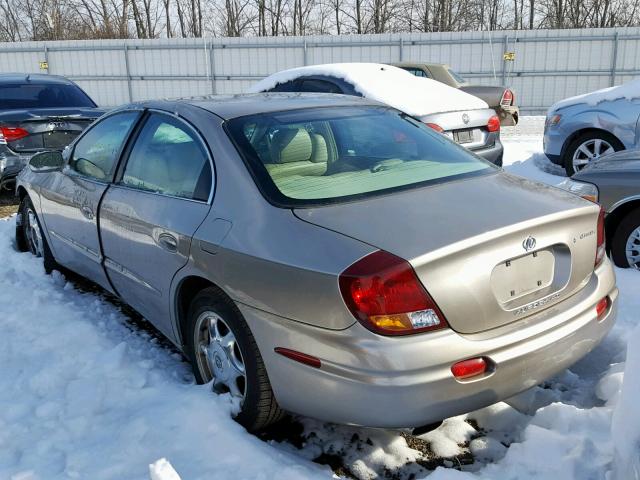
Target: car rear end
x=476 y=130
x=477 y=284
x=35 y=116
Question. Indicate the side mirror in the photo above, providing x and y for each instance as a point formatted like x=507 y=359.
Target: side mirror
x=46 y=161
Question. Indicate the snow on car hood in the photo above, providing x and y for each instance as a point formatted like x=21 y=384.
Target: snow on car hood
x=384 y=83
x=629 y=90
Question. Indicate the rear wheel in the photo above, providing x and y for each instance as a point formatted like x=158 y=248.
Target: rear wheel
x=588 y=147
x=625 y=244
x=222 y=349
x=29 y=235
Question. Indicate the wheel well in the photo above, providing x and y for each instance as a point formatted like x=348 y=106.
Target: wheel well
x=614 y=218
x=21 y=192
x=187 y=290
x=577 y=133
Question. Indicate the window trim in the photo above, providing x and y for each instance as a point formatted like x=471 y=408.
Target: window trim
x=131 y=141
x=70 y=171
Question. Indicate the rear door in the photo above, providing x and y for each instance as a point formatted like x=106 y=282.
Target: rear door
x=71 y=198
x=149 y=215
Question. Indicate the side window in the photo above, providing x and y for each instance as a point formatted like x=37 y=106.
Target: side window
x=168 y=158
x=416 y=71
x=319 y=86
x=285 y=87
x=95 y=155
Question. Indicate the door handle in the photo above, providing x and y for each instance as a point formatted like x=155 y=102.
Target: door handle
x=87 y=212
x=168 y=242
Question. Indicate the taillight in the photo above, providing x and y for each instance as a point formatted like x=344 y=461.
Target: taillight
x=299 y=357
x=600 y=249
x=602 y=308
x=493 y=124
x=11 y=134
x=435 y=126
x=469 y=368
x=383 y=292
x=507 y=97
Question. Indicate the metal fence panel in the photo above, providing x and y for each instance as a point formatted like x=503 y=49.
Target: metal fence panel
x=549 y=64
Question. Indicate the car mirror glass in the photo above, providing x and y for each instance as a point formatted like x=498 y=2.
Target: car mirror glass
x=46 y=161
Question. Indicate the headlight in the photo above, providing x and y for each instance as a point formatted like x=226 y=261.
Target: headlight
x=552 y=120
x=585 y=190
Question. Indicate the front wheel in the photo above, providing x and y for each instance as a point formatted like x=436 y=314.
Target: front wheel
x=589 y=147
x=29 y=235
x=625 y=244
x=222 y=350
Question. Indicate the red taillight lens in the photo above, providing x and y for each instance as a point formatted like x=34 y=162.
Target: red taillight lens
x=493 y=125
x=507 y=97
x=383 y=292
x=11 y=134
x=435 y=126
x=603 y=307
x=600 y=249
x=299 y=357
x=469 y=368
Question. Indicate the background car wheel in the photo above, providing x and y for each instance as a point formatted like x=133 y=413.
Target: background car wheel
x=587 y=147
x=221 y=348
x=625 y=244
x=29 y=235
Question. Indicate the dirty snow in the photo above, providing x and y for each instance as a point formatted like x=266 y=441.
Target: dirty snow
x=84 y=393
x=387 y=84
x=629 y=91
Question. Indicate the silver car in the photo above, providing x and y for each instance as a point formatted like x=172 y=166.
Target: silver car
x=325 y=255
x=586 y=128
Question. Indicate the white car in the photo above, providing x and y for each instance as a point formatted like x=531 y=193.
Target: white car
x=465 y=119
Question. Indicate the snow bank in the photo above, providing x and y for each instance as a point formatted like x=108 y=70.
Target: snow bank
x=387 y=84
x=629 y=90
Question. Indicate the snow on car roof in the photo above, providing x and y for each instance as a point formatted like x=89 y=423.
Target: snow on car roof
x=629 y=90
x=387 y=84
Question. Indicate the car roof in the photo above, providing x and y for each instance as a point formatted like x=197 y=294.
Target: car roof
x=33 y=77
x=419 y=64
x=232 y=106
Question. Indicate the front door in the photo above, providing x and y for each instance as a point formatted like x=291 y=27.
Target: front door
x=149 y=215
x=71 y=199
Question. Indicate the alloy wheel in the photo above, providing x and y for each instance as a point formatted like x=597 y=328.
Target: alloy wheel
x=34 y=234
x=590 y=150
x=632 y=249
x=219 y=356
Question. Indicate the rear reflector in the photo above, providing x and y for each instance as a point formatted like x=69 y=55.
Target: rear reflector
x=469 y=368
x=11 y=134
x=493 y=125
x=299 y=357
x=602 y=308
x=435 y=127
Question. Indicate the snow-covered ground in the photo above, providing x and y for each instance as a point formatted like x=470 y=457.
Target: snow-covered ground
x=87 y=394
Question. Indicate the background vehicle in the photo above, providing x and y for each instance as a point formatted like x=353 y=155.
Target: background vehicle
x=584 y=128
x=329 y=264
x=465 y=119
x=38 y=112
x=614 y=182
x=501 y=99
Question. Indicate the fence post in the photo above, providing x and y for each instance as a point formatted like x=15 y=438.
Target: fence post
x=401 y=49
x=212 y=70
x=46 y=57
x=505 y=46
x=126 y=66
x=304 y=53
x=614 y=59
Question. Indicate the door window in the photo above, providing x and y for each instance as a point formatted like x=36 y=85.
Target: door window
x=168 y=158
x=96 y=153
x=416 y=71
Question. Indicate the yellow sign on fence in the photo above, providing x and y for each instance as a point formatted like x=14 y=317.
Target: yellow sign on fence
x=44 y=65
x=509 y=56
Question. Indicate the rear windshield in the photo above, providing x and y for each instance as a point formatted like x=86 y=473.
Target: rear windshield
x=332 y=154
x=34 y=95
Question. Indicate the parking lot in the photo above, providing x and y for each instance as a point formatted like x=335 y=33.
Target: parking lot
x=90 y=391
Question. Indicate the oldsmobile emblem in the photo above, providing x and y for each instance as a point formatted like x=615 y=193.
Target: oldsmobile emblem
x=529 y=243
x=465 y=118
x=56 y=125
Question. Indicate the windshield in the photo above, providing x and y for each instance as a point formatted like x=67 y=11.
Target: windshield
x=457 y=77
x=44 y=95
x=321 y=155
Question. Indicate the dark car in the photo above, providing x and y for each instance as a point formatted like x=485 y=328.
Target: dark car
x=38 y=113
x=614 y=182
x=501 y=99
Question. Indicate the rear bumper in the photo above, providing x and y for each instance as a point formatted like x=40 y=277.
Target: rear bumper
x=509 y=116
x=493 y=153
x=376 y=381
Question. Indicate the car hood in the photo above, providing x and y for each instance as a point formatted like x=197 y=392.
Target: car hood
x=38 y=113
x=458 y=234
x=626 y=160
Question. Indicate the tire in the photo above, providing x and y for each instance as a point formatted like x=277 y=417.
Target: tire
x=627 y=235
x=259 y=408
x=30 y=236
x=595 y=143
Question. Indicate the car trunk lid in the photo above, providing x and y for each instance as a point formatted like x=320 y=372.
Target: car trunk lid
x=490 y=250
x=47 y=129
